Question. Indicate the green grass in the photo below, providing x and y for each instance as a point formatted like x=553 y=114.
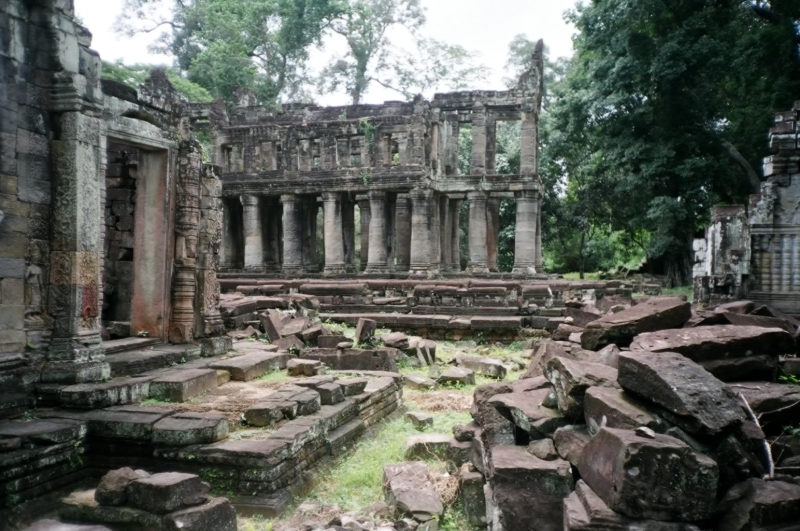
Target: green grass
x=577 y=276
x=681 y=290
x=275 y=377
x=155 y=401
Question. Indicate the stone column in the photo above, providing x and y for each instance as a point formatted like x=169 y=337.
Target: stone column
x=253 y=237
x=478 y=165
x=349 y=234
x=455 y=236
x=529 y=144
x=377 y=233
x=525 y=234
x=421 y=228
x=402 y=233
x=229 y=229
x=391 y=237
x=268 y=223
x=364 y=211
x=292 y=235
x=539 y=263
x=491 y=144
x=310 y=260
x=478 y=257
x=445 y=230
x=334 y=245
x=492 y=232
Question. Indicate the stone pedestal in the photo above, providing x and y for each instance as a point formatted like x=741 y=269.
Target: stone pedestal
x=402 y=233
x=421 y=229
x=334 y=244
x=492 y=232
x=253 y=236
x=292 y=235
x=526 y=233
x=364 y=211
x=478 y=256
x=377 y=233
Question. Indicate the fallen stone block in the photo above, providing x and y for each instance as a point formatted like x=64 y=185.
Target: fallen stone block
x=396 y=340
x=290 y=344
x=408 y=489
x=365 y=330
x=608 y=355
x=564 y=331
x=180 y=385
x=301 y=367
x=570 y=442
x=660 y=478
x=526 y=411
x=188 y=428
x=295 y=327
x=457 y=376
x=585 y=511
x=620 y=410
x=309 y=336
x=472 y=498
x=728 y=352
x=491 y=367
x=353 y=386
x=776 y=404
x=165 y=492
x=420 y=420
x=421 y=383
x=112 y=489
x=657 y=313
x=738 y=307
x=250 y=366
x=528 y=492
x=543 y=449
x=572 y=378
x=330 y=393
x=458 y=454
x=687 y=394
x=427 y=446
x=217 y=514
x=465 y=433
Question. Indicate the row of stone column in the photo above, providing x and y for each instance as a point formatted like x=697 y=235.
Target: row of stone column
x=416 y=232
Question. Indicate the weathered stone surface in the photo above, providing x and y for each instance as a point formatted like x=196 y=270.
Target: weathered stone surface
x=526 y=411
x=458 y=454
x=543 y=449
x=429 y=446
x=585 y=511
x=217 y=514
x=572 y=378
x=657 y=313
x=738 y=307
x=422 y=383
x=330 y=393
x=179 y=385
x=300 y=367
x=775 y=403
x=758 y=504
x=55 y=525
x=547 y=350
x=396 y=340
x=495 y=428
x=365 y=330
x=166 y=492
x=125 y=422
x=250 y=366
x=570 y=441
x=661 y=478
x=290 y=343
x=408 y=489
x=620 y=410
x=188 y=428
x=472 y=497
x=491 y=367
x=729 y=352
x=465 y=433
x=608 y=355
x=528 y=492
x=45 y=432
x=420 y=420
x=457 y=376
x=294 y=328
x=688 y=395
x=112 y=487
x=352 y=386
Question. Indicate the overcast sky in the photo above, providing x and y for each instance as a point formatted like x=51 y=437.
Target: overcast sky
x=485 y=26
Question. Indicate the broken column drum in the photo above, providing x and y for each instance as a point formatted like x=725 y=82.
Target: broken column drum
x=399 y=163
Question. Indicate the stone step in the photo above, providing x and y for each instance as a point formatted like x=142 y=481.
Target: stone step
x=180 y=385
x=115 y=346
x=250 y=366
x=121 y=391
x=138 y=361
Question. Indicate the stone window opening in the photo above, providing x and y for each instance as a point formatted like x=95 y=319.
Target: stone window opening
x=232 y=154
x=355 y=152
x=316 y=155
x=278 y=157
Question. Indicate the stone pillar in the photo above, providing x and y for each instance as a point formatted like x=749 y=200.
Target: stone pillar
x=525 y=235
x=253 y=236
x=402 y=233
x=529 y=144
x=491 y=144
x=292 y=235
x=391 y=237
x=539 y=262
x=364 y=211
x=455 y=236
x=377 y=233
x=349 y=234
x=478 y=257
x=309 y=216
x=492 y=232
x=445 y=230
x=209 y=321
x=334 y=246
x=478 y=165
x=268 y=222
x=435 y=233
x=421 y=227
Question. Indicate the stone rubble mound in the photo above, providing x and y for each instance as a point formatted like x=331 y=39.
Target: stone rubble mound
x=659 y=417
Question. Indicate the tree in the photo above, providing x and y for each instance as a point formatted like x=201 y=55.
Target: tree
x=222 y=44
x=136 y=74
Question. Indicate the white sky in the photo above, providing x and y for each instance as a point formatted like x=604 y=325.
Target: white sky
x=485 y=26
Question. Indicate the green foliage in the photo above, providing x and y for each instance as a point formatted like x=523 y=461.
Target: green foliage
x=136 y=74
x=789 y=379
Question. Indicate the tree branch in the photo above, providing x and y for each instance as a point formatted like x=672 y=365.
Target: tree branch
x=752 y=176
x=769 y=462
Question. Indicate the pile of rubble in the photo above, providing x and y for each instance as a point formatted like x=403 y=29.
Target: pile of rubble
x=643 y=415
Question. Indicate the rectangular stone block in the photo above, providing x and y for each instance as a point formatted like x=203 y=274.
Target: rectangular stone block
x=180 y=385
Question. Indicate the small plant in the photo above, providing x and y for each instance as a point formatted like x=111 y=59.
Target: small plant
x=294 y=351
x=789 y=379
x=366 y=177
x=480 y=339
x=143 y=333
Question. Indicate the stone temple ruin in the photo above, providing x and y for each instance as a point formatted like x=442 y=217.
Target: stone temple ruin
x=145 y=293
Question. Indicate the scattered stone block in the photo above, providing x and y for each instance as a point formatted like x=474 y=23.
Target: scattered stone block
x=365 y=330
x=728 y=352
x=112 y=489
x=620 y=410
x=427 y=446
x=687 y=394
x=775 y=403
x=758 y=504
x=570 y=442
x=491 y=367
x=188 y=428
x=420 y=420
x=526 y=411
x=457 y=376
x=465 y=433
x=420 y=383
x=564 y=331
x=301 y=367
x=217 y=514
x=223 y=377
x=289 y=344
x=657 y=313
x=543 y=449
x=472 y=498
x=660 y=479
x=295 y=327
x=180 y=385
x=250 y=366
x=272 y=325
x=327 y=341
x=408 y=489
x=608 y=355
x=165 y=492
x=330 y=393
x=353 y=386
x=572 y=378
x=738 y=307
x=526 y=491
x=309 y=335
x=458 y=454
x=396 y=340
